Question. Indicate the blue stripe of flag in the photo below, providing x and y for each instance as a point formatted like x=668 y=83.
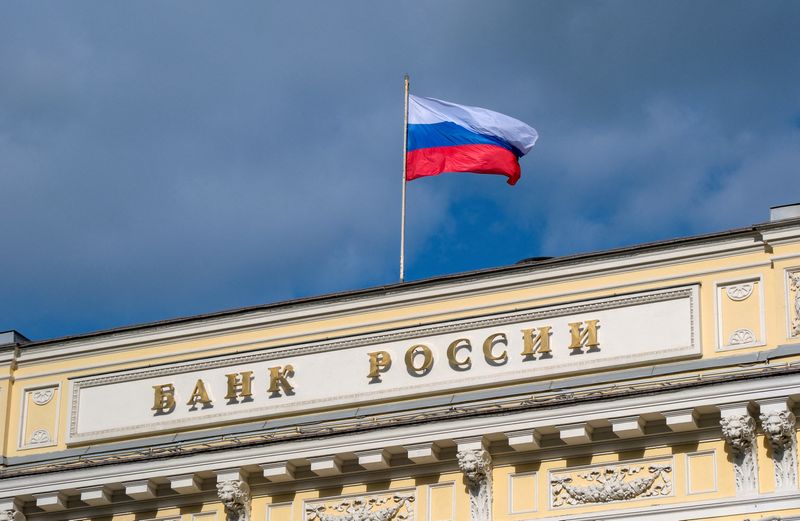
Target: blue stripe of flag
x=448 y=134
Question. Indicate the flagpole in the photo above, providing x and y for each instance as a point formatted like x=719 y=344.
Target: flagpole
x=405 y=161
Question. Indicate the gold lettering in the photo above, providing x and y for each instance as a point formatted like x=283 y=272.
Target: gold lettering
x=538 y=343
x=488 y=345
x=584 y=334
x=379 y=362
x=279 y=379
x=453 y=349
x=199 y=395
x=163 y=398
x=239 y=385
x=427 y=359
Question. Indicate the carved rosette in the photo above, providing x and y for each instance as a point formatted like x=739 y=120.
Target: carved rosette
x=738 y=292
x=739 y=433
x=779 y=428
x=476 y=465
x=235 y=495
x=395 y=507
x=39 y=437
x=42 y=396
x=11 y=515
x=741 y=337
x=609 y=484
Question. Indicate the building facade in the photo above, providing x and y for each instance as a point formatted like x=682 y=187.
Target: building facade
x=656 y=381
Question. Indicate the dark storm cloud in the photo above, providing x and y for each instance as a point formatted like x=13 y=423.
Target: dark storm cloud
x=175 y=158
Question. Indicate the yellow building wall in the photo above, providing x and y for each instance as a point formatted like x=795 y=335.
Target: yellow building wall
x=708 y=273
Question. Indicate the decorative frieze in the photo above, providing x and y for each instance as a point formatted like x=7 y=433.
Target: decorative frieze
x=235 y=495
x=739 y=433
x=607 y=484
x=476 y=465
x=386 y=507
x=778 y=423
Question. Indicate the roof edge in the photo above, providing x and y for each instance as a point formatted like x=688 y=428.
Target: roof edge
x=754 y=230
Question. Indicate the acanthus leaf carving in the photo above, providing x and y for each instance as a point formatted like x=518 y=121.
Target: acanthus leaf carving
x=476 y=465
x=611 y=484
x=235 y=495
x=372 y=508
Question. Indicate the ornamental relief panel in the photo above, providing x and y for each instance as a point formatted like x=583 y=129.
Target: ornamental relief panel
x=740 y=313
x=793 y=302
x=389 y=506
x=602 y=484
x=39 y=418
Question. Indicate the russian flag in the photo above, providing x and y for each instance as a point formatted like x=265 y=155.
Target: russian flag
x=445 y=137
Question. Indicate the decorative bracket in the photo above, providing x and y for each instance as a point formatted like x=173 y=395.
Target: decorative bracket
x=778 y=423
x=235 y=495
x=476 y=465
x=739 y=433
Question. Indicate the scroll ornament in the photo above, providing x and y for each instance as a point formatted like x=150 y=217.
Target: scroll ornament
x=389 y=508
x=235 y=495
x=609 y=484
x=476 y=465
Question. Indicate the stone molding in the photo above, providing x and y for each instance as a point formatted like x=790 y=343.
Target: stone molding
x=11 y=515
x=476 y=465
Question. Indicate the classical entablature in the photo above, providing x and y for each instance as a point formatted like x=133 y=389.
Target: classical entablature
x=660 y=380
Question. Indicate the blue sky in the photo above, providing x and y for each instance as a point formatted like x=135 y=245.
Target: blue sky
x=167 y=159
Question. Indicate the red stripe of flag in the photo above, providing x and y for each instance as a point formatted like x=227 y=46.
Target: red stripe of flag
x=478 y=159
